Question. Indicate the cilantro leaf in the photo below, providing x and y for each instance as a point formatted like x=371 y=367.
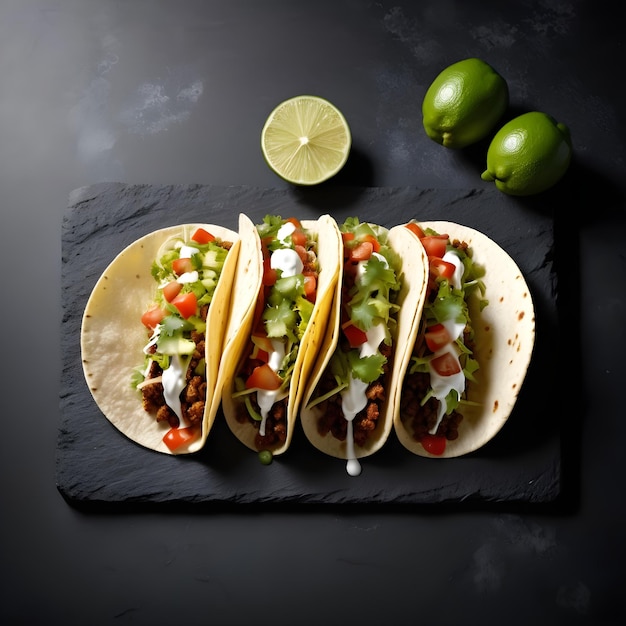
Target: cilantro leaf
x=350 y=225
x=280 y=320
x=450 y=304
x=173 y=324
x=136 y=377
x=270 y=226
x=363 y=314
x=369 y=368
x=378 y=276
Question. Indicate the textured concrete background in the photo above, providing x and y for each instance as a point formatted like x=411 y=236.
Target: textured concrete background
x=162 y=92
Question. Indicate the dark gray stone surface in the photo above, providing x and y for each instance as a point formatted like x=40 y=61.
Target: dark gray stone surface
x=96 y=464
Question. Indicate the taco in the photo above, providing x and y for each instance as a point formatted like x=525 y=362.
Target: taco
x=152 y=335
x=290 y=285
x=470 y=347
x=348 y=407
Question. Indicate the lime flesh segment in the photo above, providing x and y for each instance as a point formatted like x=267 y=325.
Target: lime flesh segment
x=306 y=140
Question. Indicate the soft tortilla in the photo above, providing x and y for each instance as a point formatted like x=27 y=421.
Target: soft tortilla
x=504 y=339
x=248 y=282
x=413 y=277
x=112 y=336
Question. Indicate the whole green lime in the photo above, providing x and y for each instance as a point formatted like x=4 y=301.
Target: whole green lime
x=528 y=155
x=464 y=103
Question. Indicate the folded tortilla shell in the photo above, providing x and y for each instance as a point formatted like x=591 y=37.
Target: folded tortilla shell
x=112 y=336
x=504 y=339
x=247 y=286
x=413 y=277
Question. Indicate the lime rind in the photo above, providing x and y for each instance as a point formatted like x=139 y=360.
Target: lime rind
x=535 y=161
x=464 y=103
x=306 y=140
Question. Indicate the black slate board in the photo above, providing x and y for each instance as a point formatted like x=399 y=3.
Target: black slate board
x=96 y=464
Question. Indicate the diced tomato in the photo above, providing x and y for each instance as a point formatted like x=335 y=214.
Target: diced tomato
x=202 y=236
x=446 y=364
x=295 y=221
x=437 y=336
x=346 y=239
x=298 y=237
x=171 y=290
x=263 y=377
x=302 y=253
x=181 y=266
x=439 y=267
x=269 y=273
x=176 y=437
x=355 y=336
x=414 y=227
x=362 y=251
x=371 y=239
x=310 y=287
x=265 y=242
x=435 y=444
x=186 y=303
x=152 y=317
x=259 y=355
x=435 y=245
x=350 y=268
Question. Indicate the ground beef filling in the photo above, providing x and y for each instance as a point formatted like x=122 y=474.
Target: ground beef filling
x=365 y=422
x=275 y=424
x=276 y=421
x=193 y=396
x=422 y=419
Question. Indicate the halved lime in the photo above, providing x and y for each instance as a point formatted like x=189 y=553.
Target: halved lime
x=306 y=140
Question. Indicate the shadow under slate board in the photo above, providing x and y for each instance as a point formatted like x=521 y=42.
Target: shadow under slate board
x=97 y=464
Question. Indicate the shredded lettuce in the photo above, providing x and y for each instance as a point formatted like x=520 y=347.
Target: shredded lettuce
x=452 y=304
x=175 y=331
x=287 y=311
x=370 y=301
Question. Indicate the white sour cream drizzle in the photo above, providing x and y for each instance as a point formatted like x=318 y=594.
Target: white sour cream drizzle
x=442 y=385
x=284 y=231
x=267 y=397
x=288 y=261
x=457 y=277
x=188 y=277
x=173 y=384
x=186 y=252
x=174 y=376
x=353 y=398
x=173 y=379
